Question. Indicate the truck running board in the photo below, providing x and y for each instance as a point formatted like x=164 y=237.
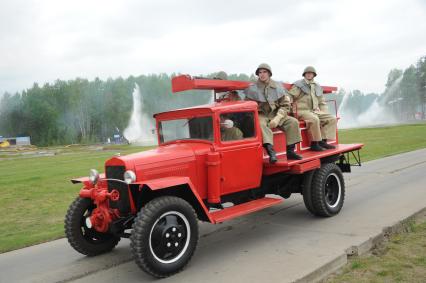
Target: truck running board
x=242 y=209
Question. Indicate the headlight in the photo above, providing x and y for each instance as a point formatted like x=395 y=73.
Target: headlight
x=129 y=176
x=93 y=176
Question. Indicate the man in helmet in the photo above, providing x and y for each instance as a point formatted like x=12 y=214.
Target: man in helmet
x=312 y=108
x=229 y=95
x=273 y=106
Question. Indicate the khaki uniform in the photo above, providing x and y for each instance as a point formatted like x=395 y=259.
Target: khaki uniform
x=231 y=134
x=312 y=108
x=273 y=99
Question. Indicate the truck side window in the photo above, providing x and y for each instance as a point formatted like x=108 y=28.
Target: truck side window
x=236 y=126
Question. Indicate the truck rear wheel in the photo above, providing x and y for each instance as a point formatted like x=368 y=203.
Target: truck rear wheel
x=82 y=238
x=307 y=191
x=326 y=194
x=165 y=236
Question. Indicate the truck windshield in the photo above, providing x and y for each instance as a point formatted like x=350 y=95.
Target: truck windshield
x=198 y=128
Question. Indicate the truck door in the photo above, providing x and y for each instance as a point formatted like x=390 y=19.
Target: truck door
x=241 y=152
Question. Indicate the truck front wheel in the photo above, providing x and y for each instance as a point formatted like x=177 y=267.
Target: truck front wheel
x=165 y=236
x=83 y=238
x=327 y=191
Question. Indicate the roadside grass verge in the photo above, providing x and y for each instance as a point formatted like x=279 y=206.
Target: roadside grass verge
x=400 y=259
x=386 y=141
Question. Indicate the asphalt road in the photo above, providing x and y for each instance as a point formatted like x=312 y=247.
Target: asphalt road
x=283 y=243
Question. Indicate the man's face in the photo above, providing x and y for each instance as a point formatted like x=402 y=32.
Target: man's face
x=309 y=76
x=263 y=75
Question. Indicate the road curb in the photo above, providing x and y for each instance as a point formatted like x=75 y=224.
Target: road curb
x=363 y=248
x=325 y=269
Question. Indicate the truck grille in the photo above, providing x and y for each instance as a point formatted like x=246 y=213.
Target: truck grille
x=117 y=172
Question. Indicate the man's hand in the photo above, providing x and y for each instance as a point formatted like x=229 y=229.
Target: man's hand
x=274 y=122
x=281 y=114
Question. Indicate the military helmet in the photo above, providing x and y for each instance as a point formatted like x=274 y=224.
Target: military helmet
x=221 y=76
x=264 y=66
x=309 y=69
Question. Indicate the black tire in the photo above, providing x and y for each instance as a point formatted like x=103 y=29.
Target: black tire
x=164 y=236
x=327 y=190
x=83 y=239
x=307 y=190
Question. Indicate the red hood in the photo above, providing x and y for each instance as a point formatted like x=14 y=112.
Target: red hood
x=166 y=153
x=177 y=159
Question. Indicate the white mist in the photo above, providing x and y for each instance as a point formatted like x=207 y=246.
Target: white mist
x=376 y=114
x=140 y=128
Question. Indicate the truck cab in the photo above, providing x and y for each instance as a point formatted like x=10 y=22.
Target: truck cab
x=203 y=124
x=209 y=166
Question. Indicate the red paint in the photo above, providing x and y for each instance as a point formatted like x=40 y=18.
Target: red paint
x=102 y=215
x=242 y=209
x=213 y=177
x=301 y=168
x=167 y=182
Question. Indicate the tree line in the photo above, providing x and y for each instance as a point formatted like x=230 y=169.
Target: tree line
x=404 y=95
x=83 y=111
x=88 y=111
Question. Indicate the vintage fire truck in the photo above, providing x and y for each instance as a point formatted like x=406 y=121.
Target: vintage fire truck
x=156 y=197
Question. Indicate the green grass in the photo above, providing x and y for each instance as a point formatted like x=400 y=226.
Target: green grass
x=36 y=192
x=386 y=141
x=401 y=259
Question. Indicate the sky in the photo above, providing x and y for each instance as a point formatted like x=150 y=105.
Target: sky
x=352 y=43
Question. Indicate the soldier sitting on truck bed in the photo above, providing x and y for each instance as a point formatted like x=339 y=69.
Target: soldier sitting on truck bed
x=274 y=107
x=312 y=108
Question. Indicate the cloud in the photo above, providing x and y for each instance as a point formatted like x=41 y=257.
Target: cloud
x=353 y=44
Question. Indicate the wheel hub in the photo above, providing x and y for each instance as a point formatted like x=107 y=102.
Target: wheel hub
x=169 y=237
x=173 y=237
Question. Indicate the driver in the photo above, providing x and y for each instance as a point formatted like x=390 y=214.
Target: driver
x=228 y=131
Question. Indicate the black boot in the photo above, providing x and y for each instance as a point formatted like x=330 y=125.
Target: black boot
x=271 y=152
x=291 y=155
x=316 y=147
x=325 y=145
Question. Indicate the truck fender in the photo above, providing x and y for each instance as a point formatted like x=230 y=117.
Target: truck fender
x=168 y=182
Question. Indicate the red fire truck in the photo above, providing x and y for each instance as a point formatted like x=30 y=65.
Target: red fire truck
x=156 y=197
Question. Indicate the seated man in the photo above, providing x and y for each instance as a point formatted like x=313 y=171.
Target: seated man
x=273 y=107
x=229 y=96
x=312 y=108
x=228 y=131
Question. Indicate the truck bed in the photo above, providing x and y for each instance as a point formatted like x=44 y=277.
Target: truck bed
x=311 y=160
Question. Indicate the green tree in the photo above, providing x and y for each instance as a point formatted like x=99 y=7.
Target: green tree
x=421 y=84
